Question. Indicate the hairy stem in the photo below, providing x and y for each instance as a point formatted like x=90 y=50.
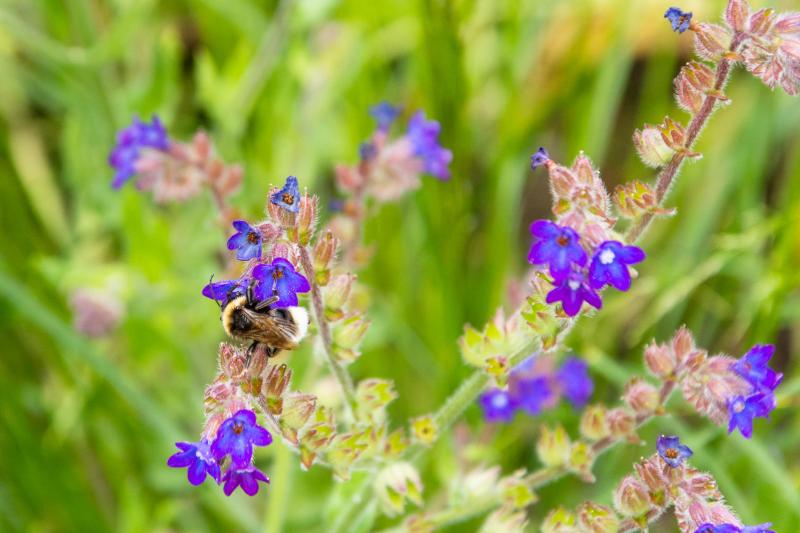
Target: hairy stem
x=341 y=374
x=668 y=173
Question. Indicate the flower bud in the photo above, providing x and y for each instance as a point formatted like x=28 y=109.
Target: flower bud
x=631 y=498
x=306 y=219
x=337 y=293
x=506 y=519
x=581 y=459
x=259 y=359
x=559 y=520
x=761 y=21
x=314 y=438
x=562 y=180
x=324 y=251
x=395 y=484
x=269 y=232
x=396 y=443
x=693 y=82
x=275 y=385
x=594 y=425
x=553 y=446
x=343 y=451
x=297 y=409
x=497 y=368
x=350 y=331
x=641 y=396
x=650 y=472
x=622 y=424
x=673 y=134
x=372 y=397
x=711 y=40
x=596 y=518
x=702 y=485
x=231 y=362
x=477 y=485
x=652 y=148
x=660 y=360
x=736 y=14
x=217 y=392
x=424 y=430
x=348 y=178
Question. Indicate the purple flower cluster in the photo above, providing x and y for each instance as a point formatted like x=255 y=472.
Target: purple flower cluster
x=130 y=142
x=424 y=137
x=679 y=19
x=533 y=388
x=733 y=528
x=752 y=367
x=559 y=248
x=234 y=440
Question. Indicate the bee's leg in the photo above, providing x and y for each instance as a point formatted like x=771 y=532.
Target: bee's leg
x=271 y=351
x=266 y=303
x=250 y=291
x=249 y=355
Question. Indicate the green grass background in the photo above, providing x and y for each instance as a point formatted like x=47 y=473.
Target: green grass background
x=283 y=87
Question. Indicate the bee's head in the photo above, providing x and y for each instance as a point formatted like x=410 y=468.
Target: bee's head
x=233 y=321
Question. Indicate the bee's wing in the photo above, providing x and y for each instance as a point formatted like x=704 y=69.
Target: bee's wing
x=271 y=331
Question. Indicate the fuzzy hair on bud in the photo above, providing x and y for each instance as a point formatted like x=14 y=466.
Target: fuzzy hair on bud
x=651 y=147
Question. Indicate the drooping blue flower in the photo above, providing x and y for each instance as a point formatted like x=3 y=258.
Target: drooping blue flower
x=279 y=278
x=367 y=151
x=752 y=366
x=130 y=142
x=246 y=241
x=424 y=137
x=247 y=478
x=609 y=265
x=576 y=385
x=289 y=196
x=572 y=291
x=530 y=393
x=742 y=410
x=733 y=528
x=672 y=451
x=497 y=406
x=224 y=291
x=556 y=246
x=197 y=457
x=539 y=158
x=384 y=114
x=236 y=437
x=678 y=18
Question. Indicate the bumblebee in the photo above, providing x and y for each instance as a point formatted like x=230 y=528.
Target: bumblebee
x=277 y=329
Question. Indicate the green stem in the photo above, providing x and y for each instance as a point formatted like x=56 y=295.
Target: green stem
x=275 y=511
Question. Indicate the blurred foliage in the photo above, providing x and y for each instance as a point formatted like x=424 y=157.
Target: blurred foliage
x=283 y=87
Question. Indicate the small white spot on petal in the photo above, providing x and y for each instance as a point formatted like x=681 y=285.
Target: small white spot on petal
x=499 y=401
x=574 y=285
x=607 y=257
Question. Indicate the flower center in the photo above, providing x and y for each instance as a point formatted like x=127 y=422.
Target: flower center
x=574 y=285
x=738 y=406
x=671 y=453
x=252 y=237
x=500 y=401
x=287 y=198
x=607 y=257
x=562 y=240
x=238 y=428
x=277 y=274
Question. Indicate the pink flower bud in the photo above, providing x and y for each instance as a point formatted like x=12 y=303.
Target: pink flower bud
x=306 y=218
x=761 y=21
x=269 y=232
x=711 y=40
x=641 y=396
x=660 y=360
x=788 y=24
x=622 y=424
x=325 y=250
x=338 y=291
x=702 y=485
x=350 y=331
x=631 y=497
x=673 y=134
x=651 y=147
x=349 y=179
x=594 y=425
x=596 y=518
x=650 y=473
x=297 y=409
x=562 y=180
x=736 y=14
x=274 y=387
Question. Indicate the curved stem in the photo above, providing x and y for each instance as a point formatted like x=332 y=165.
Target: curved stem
x=341 y=374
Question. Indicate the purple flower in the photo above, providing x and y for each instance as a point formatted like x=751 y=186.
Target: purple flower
x=752 y=366
x=556 y=246
x=224 y=291
x=279 y=278
x=497 y=405
x=576 y=385
x=672 y=451
x=236 y=437
x=367 y=151
x=679 y=19
x=539 y=158
x=246 y=241
x=288 y=197
x=247 y=478
x=424 y=137
x=609 y=265
x=197 y=456
x=530 y=393
x=742 y=411
x=384 y=114
x=572 y=292
x=732 y=528
x=130 y=142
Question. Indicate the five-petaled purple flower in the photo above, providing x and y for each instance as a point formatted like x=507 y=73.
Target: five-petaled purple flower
x=384 y=114
x=279 y=278
x=572 y=291
x=539 y=158
x=742 y=410
x=424 y=137
x=679 y=19
x=289 y=196
x=609 y=265
x=556 y=246
x=752 y=366
x=236 y=437
x=497 y=405
x=247 y=478
x=576 y=385
x=130 y=142
x=197 y=457
x=246 y=241
x=733 y=528
x=672 y=451
x=224 y=291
